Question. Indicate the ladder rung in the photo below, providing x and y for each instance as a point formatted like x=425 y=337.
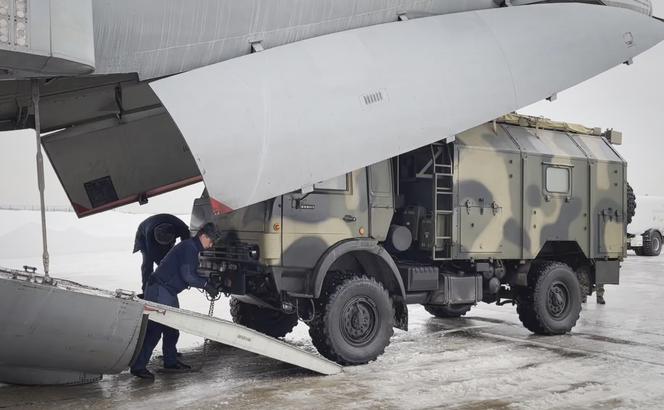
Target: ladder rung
x=443 y=174
x=443 y=237
x=443 y=212
x=444 y=191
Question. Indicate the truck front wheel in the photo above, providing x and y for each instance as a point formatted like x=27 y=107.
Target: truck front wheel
x=551 y=304
x=270 y=322
x=354 y=323
x=448 y=311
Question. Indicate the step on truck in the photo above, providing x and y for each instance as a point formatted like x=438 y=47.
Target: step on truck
x=520 y=210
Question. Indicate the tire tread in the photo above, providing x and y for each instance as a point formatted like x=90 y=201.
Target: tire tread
x=320 y=334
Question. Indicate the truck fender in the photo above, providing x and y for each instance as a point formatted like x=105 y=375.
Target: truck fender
x=370 y=246
x=649 y=231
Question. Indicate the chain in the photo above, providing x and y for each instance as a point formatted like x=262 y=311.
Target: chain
x=211 y=310
x=206 y=341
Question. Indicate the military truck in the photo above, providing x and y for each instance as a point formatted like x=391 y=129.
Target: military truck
x=521 y=210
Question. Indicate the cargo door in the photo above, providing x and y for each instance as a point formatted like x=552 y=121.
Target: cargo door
x=115 y=162
x=486 y=181
x=609 y=208
x=607 y=201
x=555 y=189
x=335 y=210
x=558 y=209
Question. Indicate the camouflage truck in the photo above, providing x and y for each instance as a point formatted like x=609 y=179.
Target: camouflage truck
x=521 y=210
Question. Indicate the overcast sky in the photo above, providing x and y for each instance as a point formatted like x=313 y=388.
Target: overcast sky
x=627 y=98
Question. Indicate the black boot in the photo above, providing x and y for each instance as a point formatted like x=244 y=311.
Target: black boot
x=179 y=367
x=142 y=374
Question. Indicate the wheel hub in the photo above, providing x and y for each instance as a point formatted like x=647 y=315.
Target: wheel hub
x=358 y=320
x=558 y=300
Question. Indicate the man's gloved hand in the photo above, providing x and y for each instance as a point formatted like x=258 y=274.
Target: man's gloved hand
x=212 y=289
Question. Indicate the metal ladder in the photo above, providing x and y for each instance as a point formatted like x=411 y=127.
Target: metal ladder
x=443 y=201
x=229 y=333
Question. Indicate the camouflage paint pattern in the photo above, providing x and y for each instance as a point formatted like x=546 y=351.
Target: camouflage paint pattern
x=503 y=208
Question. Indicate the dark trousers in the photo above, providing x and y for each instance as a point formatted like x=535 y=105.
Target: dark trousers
x=154 y=331
x=152 y=335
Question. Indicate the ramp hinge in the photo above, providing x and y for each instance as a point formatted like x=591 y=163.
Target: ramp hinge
x=257 y=46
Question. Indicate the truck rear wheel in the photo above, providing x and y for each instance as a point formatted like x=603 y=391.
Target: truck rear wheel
x=551 y=304
x=448 y=311
x=355 y=322
x=652 y=244
x=270 y=322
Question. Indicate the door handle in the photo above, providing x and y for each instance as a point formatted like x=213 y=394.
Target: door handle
x=350 y=218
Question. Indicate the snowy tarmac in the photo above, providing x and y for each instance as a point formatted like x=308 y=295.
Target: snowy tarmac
x=614 y=358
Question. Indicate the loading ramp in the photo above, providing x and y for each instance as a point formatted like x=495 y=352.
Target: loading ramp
x=232 y=334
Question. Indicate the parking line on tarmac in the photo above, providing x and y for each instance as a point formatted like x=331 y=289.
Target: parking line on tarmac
x=568 y=349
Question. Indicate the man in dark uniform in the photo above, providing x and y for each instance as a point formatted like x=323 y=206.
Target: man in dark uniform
x=175 y=273
x=154 y=238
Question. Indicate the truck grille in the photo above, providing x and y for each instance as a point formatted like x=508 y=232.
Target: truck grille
x=237 y=252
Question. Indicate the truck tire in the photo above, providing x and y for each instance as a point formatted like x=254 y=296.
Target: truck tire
x=652 y=244
x=270 y=322
x=631 y=204
x=551 y=304
x=448 y=311
x=354 y=323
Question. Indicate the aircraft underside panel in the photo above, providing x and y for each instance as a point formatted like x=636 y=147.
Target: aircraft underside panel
x=109 y=163
x=155 y=38
x=284 y=118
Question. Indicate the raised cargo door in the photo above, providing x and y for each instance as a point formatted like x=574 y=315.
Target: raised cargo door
x=313 y=109
x=115 y=162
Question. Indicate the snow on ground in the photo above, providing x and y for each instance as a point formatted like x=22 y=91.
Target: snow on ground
x=614 y=358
